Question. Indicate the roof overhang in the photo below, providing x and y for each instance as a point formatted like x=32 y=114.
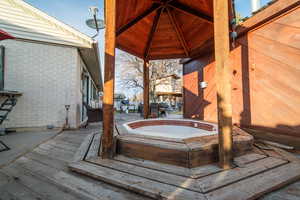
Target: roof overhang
x=90 y=57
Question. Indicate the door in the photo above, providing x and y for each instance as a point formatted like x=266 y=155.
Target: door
x=85 y=96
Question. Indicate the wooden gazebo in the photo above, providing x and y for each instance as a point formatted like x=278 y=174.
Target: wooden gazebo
x=164 y=29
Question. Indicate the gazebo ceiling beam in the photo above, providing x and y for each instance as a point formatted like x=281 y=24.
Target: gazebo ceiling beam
x=165 y=1
x=178 y=31
x=154 y=7
x=151 y=34
x=188 y=10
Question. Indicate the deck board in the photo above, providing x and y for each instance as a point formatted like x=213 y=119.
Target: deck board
x=14 y=190
x=81 y=152
x=94 y=148
x=43 y=174
x=137 y=184
x=51 y=162
x=227 y=177
x=38 y=185
x=260 y=184
x=150 y=174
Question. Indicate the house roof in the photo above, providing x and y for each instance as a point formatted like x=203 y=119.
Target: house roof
x=28 y=23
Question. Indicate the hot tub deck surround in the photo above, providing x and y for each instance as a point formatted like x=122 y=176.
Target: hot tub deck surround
x=256 y=173
x=186 y=152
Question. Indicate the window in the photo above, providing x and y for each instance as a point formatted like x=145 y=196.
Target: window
x=2 y=54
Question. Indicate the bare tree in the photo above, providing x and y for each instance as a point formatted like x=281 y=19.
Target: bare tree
x=131 y=73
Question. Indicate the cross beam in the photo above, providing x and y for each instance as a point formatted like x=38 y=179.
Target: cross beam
x=153 y=30
x=147 y=12
x=188 y=10
x=178 y=31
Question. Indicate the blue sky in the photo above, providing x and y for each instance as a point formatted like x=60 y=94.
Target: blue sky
x=244 y=6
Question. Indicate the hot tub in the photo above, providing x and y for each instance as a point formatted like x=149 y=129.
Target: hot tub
x=182 y=142
x=171 y=128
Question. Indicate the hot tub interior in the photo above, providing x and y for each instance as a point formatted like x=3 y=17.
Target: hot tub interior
x=177 y=129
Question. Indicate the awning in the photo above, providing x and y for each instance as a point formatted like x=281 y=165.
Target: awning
x=4 y=35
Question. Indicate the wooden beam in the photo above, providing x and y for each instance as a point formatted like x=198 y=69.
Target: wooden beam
x=223 y=77
x=109 y=80
x=147 y=12
x=146 y=88
x=178 y=31
x=190 y=11
x=151 y=34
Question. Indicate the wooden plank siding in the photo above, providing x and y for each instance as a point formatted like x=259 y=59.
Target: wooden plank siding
x=265 y=79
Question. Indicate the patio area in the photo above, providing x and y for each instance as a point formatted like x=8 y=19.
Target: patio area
x=43 y=173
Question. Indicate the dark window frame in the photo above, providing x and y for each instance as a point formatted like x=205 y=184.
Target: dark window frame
x=2 y=65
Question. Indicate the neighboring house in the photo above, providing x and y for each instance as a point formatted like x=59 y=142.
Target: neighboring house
x=169 y=89
x=50 y=63
x=171 y=83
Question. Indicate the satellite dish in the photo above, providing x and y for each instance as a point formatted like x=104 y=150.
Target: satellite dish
x=92 y=23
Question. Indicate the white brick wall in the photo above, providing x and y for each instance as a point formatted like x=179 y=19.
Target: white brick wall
x=48 y=76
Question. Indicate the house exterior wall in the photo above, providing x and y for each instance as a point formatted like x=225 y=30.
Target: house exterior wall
x=265 y=79
x=48 y=76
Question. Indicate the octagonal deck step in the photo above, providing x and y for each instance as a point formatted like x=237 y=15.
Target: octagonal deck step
x=189 y=152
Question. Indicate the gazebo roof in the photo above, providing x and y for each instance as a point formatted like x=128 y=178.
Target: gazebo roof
x=161 y=29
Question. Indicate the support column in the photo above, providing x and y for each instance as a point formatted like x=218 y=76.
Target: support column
x=146 y=88
x=223 y=80
x=109 y=80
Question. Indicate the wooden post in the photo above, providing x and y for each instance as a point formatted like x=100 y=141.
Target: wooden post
x=109 y=80
x=223 y=80
x=146 y=88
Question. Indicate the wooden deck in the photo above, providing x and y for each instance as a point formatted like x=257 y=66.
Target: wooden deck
x=43 y=174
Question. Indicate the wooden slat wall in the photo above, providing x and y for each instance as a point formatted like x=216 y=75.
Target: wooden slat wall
x=266 y=79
